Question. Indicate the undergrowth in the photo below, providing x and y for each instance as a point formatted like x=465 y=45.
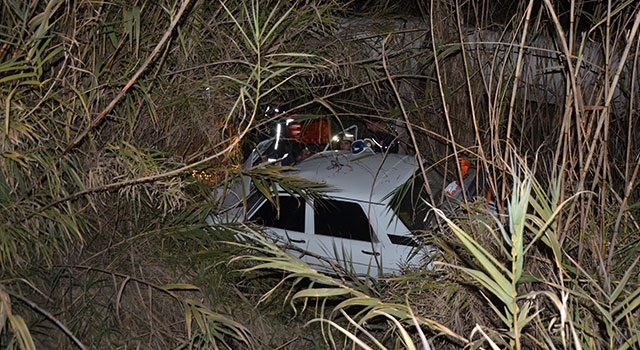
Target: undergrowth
x=118 y=117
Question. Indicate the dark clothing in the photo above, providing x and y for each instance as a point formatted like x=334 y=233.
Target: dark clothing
x=384 y=142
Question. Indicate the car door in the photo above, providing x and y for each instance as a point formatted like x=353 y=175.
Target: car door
x=342 y=233
x=401 y=249
x=287 y=222
x=332 y=233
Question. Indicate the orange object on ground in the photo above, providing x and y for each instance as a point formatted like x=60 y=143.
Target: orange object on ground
x=464 y=166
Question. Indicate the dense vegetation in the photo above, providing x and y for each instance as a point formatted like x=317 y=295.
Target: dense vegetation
x=117 y=117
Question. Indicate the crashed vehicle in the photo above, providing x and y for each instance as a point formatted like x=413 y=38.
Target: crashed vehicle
x=369 y=218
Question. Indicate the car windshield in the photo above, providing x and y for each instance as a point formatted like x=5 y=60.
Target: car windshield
x=411 y=200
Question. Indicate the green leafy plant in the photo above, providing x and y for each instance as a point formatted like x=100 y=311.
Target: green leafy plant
x=109 y=107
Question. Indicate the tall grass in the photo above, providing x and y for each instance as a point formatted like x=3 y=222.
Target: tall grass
x=108 y=109
x=111 y=107
x=553 y=274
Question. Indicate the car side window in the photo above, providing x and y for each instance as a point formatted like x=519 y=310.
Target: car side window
x=290 y=217
x=342 y=219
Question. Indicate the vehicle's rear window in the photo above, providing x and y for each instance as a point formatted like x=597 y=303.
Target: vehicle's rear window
x=342 y=219
x=290 y=217
x=410 y=200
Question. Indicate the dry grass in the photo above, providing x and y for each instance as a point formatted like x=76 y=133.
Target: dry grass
x=110 y=107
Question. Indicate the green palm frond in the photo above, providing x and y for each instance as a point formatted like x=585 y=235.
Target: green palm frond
x=268 y=256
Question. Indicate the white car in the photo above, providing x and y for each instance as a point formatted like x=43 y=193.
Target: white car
x=366 y=221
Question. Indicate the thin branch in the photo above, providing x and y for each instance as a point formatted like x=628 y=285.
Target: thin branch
x=133 y=79
x=50 y=317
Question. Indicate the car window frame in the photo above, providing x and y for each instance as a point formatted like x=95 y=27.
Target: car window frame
x=261 y=201
x=258 y=201
x=374 y=236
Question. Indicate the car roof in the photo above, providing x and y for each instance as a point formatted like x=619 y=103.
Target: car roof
x=366 y=176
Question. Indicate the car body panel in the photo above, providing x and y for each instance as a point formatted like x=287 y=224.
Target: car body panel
x=366 y=254
x=367 y=176
x=363 y=234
